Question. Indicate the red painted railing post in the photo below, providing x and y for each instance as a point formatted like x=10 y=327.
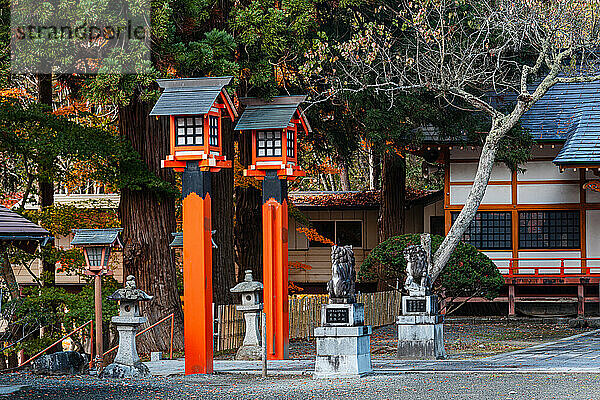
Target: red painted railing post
x=172 y=329
x=91 y=343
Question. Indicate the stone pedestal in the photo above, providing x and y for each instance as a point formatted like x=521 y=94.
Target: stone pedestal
x=343 y=342
x=251 y=348
x=127 y=362
x=420 y=329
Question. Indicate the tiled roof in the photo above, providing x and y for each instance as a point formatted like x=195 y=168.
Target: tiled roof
x=21 y=232
x=565 y=109
x=583 y=144
x=177 y=239
x=266 y=117
x=551 y=118
x=96 y=237
x=191 y=96
x=353 y=199
x=269 y=114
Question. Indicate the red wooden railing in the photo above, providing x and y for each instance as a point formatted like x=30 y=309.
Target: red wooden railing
x=566 y=267
x=90 y=323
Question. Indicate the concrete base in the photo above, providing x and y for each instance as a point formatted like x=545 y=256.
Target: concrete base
x=420 y=338
x=114 y=370
x=343 y=352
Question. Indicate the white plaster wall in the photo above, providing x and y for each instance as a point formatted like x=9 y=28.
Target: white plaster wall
x=592 y=239
x=546 y=151
x=494 y=194
x=465 y=172
x=575 y=265
x=591 y=175
x=548 y=193
x=545 y=170
x=501 y=264
x=592 y=196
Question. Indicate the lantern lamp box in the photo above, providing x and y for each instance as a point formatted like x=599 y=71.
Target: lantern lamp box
x=97 y=245
x=196 y=108
x=274 y=125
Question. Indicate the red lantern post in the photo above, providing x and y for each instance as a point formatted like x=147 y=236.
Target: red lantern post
x=274 y=127
x=97 y=245
x=196 y=107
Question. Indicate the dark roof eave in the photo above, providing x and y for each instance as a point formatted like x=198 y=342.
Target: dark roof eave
x=425 y=200
x=588 y=163
x=43 y=239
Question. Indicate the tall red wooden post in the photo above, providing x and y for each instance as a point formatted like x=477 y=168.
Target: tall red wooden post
x=275 y=278
x=197 y=284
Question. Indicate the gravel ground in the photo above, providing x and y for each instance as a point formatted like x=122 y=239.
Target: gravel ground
x=464 y=338
x=406 y=386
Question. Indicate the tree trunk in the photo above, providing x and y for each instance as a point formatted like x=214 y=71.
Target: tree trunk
x=8 y=274
x=393 y=194
x=45 y=173
x=148 y=219
x=466 y=215
x=344 y=176
x=374 y=169
x=224 y=274
x=248 y=219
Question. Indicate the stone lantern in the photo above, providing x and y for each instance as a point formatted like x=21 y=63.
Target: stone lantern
x=250 y=291
x=127 y=362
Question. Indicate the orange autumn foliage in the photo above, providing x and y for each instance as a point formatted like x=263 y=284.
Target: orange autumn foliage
x=313 y=235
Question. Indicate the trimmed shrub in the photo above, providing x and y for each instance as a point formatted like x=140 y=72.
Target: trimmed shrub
x=469 y=272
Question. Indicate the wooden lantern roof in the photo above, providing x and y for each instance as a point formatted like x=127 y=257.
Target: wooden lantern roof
x=276 y=113
x=193 y=96
x=274 y=125
x=97 y=237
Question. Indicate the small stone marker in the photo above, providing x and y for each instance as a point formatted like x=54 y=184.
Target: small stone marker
x=343 y=340
x=156 y=356
x=420 y=327
x=250 y=291
x=127 y=363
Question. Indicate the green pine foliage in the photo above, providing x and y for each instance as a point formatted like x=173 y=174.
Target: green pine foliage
x=55 y=310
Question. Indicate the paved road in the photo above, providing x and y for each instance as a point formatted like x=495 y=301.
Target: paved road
x=551 y=371
x=440 y=386
x=576 y=354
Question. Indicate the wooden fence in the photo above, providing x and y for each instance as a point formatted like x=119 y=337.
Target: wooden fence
x=381 y=308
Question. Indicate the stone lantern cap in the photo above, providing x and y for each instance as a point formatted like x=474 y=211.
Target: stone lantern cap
x=248 y=285
x=130 y=292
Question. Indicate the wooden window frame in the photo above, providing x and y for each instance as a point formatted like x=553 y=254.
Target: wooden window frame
x=577 y=226
x=508 y=218
x=335 y=221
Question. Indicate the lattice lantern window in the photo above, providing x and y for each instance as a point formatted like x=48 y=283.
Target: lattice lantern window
x=190 y=131
x=268 y=144
x=291 y=148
